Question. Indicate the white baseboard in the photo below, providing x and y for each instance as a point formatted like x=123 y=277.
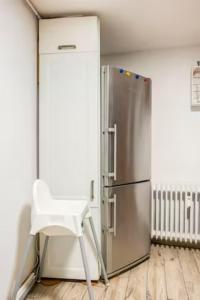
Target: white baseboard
x=26 y=287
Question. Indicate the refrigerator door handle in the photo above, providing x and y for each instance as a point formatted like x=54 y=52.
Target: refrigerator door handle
x=113 y=229
x=114 y=130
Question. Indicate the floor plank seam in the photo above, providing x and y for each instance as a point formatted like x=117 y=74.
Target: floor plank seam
x=127 y=285
x=164 y=263
x=147 y=292
x=182 y=273
x=194 y=256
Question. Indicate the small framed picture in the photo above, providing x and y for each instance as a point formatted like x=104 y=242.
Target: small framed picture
x=195 y=86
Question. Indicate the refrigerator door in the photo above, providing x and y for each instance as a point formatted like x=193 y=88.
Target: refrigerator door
x=126 y=221
x=126 y=126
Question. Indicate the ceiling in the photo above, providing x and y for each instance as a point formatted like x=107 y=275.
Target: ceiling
x=132 y=25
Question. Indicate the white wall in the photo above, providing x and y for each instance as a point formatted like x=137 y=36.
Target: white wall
x=175 y=127
x=17 y=134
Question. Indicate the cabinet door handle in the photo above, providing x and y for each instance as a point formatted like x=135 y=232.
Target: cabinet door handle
x=114 y=227
x=92 y=190
x=114 y=131
x=66 y=47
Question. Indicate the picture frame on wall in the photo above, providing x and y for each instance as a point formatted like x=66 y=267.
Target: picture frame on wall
x=195 y=86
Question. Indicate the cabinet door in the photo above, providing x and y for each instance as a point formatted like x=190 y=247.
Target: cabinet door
x=80 y=34
x=63 y=257
x=69 y=125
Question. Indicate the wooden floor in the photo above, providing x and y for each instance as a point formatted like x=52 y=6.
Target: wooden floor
x=170 y=273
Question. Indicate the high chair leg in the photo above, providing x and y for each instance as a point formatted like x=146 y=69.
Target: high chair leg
x=99 y=251
x=86 y=268
x=22 y=266
x=43 y=258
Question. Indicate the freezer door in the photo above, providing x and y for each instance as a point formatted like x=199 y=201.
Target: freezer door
x=127 y=225
x=126 y=127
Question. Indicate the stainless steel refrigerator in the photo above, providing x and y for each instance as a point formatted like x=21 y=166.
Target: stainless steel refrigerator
x=126 y=152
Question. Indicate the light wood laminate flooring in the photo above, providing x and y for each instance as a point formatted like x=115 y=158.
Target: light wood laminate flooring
x=171 y=273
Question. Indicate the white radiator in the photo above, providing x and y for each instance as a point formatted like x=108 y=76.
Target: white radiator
x=175 y=213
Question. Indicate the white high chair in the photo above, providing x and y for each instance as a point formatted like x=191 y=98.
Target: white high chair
x=59 y=217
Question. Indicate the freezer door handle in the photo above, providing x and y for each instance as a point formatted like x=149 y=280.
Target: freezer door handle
x=114 y=131
x=113 y=229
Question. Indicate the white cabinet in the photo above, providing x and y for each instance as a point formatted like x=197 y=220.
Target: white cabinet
x=69 y=35
x=69 y=128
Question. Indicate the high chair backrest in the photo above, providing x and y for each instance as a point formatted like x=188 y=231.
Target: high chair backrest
x=41 y=195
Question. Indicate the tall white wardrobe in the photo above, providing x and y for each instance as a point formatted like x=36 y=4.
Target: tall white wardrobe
x=69 y=130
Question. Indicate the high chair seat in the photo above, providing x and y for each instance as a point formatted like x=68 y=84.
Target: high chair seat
x=60 y=217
